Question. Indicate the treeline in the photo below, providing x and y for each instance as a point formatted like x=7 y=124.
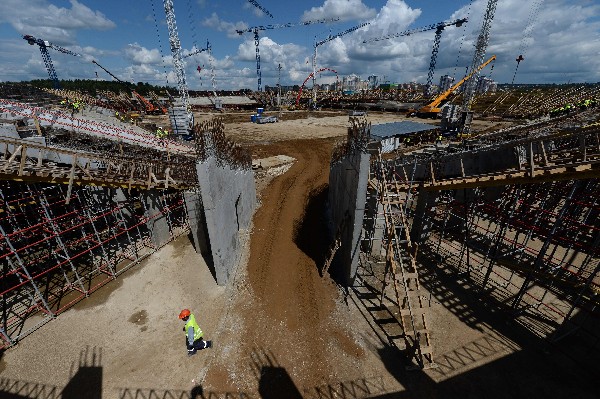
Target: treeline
x=93 y=86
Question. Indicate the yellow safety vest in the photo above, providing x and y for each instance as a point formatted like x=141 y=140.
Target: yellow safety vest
x=192 y=323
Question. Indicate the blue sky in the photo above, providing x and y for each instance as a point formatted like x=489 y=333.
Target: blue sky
x=559 y=39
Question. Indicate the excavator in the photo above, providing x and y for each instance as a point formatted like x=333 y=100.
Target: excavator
x=432 y=109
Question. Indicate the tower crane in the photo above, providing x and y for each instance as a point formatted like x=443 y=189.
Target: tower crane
x=480 y=48
x=439 y=28
x=257 y=5
x=187 y=120
x=198 y=51
x=257 y=29
x=213 y=81
x=44 y=45
x=320 y=43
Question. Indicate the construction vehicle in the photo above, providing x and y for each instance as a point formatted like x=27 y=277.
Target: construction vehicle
x=432 y=109
x=149 y=107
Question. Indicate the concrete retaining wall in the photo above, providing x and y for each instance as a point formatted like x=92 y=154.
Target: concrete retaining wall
x=228 y=200
x=347 y=195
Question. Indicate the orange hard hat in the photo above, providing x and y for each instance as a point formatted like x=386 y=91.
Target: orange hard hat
x=184 y=313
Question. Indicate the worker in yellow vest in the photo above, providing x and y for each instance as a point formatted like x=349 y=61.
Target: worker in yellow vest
x=193 y=333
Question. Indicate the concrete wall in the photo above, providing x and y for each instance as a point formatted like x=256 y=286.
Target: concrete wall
x=347 y=196
x=197 y=222
x=158 y=224
x=484 y=162
x=228 y=199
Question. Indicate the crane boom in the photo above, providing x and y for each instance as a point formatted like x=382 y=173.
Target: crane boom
x=439 y=28
x=257 y=5
x=433 y=107
x=150 y=108
x=198 y=51
x=439 y=25
x=319 y=43
x=108 y=72
x=256 y=29
x=349 y=30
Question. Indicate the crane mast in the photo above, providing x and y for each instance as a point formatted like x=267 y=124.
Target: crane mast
x=213 y=80
x=257 y=29
x=175 y=45
x=480 y=48
x=439 y=28
x=44 y=45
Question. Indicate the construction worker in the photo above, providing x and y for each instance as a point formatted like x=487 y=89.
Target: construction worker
x=193 y=333
x=160 y=133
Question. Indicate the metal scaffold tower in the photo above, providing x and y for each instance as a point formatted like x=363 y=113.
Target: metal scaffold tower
x=175 y=45
x=480 y=48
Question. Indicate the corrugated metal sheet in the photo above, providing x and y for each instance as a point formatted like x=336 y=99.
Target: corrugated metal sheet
x=385 y=130
x=388 y=145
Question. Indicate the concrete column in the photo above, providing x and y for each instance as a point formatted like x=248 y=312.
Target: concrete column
x=228 y=197
x=347 y=196
x=197 y=222
x=421 y=225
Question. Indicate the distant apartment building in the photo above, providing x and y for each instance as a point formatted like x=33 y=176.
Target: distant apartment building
x=446 y=82
x=486 y=85
x=373 y=82
x=350 y=83
x=353 y=83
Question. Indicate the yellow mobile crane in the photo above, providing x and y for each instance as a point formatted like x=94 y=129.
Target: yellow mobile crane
x=432 y=109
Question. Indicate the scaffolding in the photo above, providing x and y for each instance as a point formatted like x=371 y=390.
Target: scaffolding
x=388 y=282
x=58 y=247
x=520 y=230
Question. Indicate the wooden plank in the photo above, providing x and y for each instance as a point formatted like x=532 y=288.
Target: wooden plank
x=71 y=178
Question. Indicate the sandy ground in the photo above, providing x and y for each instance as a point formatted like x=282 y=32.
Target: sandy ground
x=279 y=329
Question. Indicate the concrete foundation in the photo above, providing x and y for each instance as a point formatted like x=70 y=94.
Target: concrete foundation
x=347 y=196
x=228 y=200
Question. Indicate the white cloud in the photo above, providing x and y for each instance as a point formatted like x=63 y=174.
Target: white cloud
x=348 y=54
x=141 y=55
x=52 y=23
x=270 y=51
x=223 y=26
x=343 y=9
x=561 y=44
x=561 y=33
x=255 y=10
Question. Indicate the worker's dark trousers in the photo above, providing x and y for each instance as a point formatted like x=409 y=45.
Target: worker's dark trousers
x=199 y=344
